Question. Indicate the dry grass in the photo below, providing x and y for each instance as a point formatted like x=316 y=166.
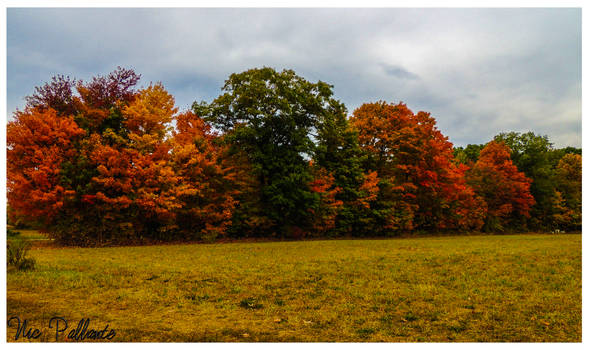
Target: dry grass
x=464 y=288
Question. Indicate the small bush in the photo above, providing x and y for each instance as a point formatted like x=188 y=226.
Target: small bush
x=16 y=255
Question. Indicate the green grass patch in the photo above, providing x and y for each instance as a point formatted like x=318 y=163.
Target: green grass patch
x=437 y=289
x=30 y=235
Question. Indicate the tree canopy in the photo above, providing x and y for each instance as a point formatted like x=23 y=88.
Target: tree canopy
x=273 y=118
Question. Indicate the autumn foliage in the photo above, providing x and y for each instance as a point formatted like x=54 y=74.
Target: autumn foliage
x=504 y=188
x=207 y=182
x=39 y=142
x=568 y=195
x=416 y=166
x=101 y=162
x=117 y=170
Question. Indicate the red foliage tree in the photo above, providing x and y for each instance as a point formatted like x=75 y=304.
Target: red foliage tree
x=503 y=187
x=38 y=142
x=135 y=184
x=324 y=213
x=207 y=181
x=412 y=154
x=114 y=171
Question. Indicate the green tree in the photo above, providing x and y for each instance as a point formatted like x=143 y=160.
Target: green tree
x=468 y=155
x=271 y=116
x=338 y=150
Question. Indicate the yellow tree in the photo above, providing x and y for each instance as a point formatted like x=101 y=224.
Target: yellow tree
x=568 y=200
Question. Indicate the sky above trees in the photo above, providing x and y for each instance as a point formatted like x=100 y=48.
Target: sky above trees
x=479 y=72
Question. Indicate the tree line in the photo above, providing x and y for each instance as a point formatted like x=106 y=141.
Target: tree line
x=103 y=162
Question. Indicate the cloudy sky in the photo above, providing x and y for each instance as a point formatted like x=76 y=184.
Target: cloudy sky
x=478 y=71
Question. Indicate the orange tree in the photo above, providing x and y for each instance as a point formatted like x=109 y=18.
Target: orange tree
x=504 y=188
x=209 y=180
x=532 y=155
x=39 y=142
x=421 y=184
x=97 y=163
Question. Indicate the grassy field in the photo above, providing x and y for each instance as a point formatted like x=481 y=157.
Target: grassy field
x=467 y=288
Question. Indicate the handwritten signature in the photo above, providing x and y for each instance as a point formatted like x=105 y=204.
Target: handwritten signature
x=80 y=333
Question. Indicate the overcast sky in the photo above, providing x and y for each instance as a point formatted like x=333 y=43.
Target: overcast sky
x=478 y=71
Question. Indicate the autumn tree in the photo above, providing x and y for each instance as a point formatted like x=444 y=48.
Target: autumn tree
x=59 y=95
x=531 y=154
x=96 y=108
x=102 y=167
x=208 y=180
x=134 y=187
x=160 y=186
x=326 y=205
x=568 y=201
x=505 y=190
x=338 y=151
x=105 y=166
x=557 y=154
x=415 y=161
x=38 y=143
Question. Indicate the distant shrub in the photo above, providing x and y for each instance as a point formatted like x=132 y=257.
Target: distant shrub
x=16 y=255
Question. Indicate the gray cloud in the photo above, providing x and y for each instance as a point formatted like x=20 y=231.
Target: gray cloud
x=478 y=71
x=399 y=72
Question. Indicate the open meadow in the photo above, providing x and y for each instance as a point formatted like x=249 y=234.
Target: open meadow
x=433 y=289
